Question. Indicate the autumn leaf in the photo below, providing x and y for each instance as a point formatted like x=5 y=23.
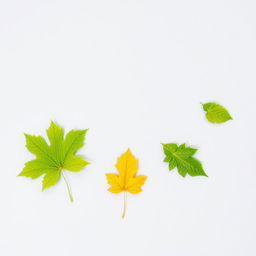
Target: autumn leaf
x=51 y=160
x=126 y=181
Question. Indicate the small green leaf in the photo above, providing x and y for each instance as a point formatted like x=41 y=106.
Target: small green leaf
x=51 y=160
x=182 y=158
x=216 y=113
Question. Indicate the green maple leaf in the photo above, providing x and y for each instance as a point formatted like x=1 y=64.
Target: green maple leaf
x=182 y=158
x=216 y=113
x=51 y=160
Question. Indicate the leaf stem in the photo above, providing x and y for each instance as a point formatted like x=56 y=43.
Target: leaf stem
x=124 y=209
x=68 y=186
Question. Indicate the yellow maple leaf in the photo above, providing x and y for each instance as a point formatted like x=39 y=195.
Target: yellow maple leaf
x=126 y=181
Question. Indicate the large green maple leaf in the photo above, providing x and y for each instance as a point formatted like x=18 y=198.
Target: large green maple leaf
x=182 y=158
x=51 y=160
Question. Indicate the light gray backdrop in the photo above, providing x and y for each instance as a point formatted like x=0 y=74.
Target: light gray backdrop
x=133 y=72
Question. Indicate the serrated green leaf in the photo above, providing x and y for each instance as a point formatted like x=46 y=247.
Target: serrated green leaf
x=182 y=158
x=216 y=113
x=51 y=160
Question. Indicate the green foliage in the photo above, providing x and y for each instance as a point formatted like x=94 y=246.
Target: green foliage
x=182 y=158
x=52 y=159
x=215 y=113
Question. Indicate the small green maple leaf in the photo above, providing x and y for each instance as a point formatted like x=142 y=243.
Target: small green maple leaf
x=216 y=113
x=51 y=160
x=182 y=158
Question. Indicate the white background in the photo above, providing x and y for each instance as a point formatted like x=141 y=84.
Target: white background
x=133 y=72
